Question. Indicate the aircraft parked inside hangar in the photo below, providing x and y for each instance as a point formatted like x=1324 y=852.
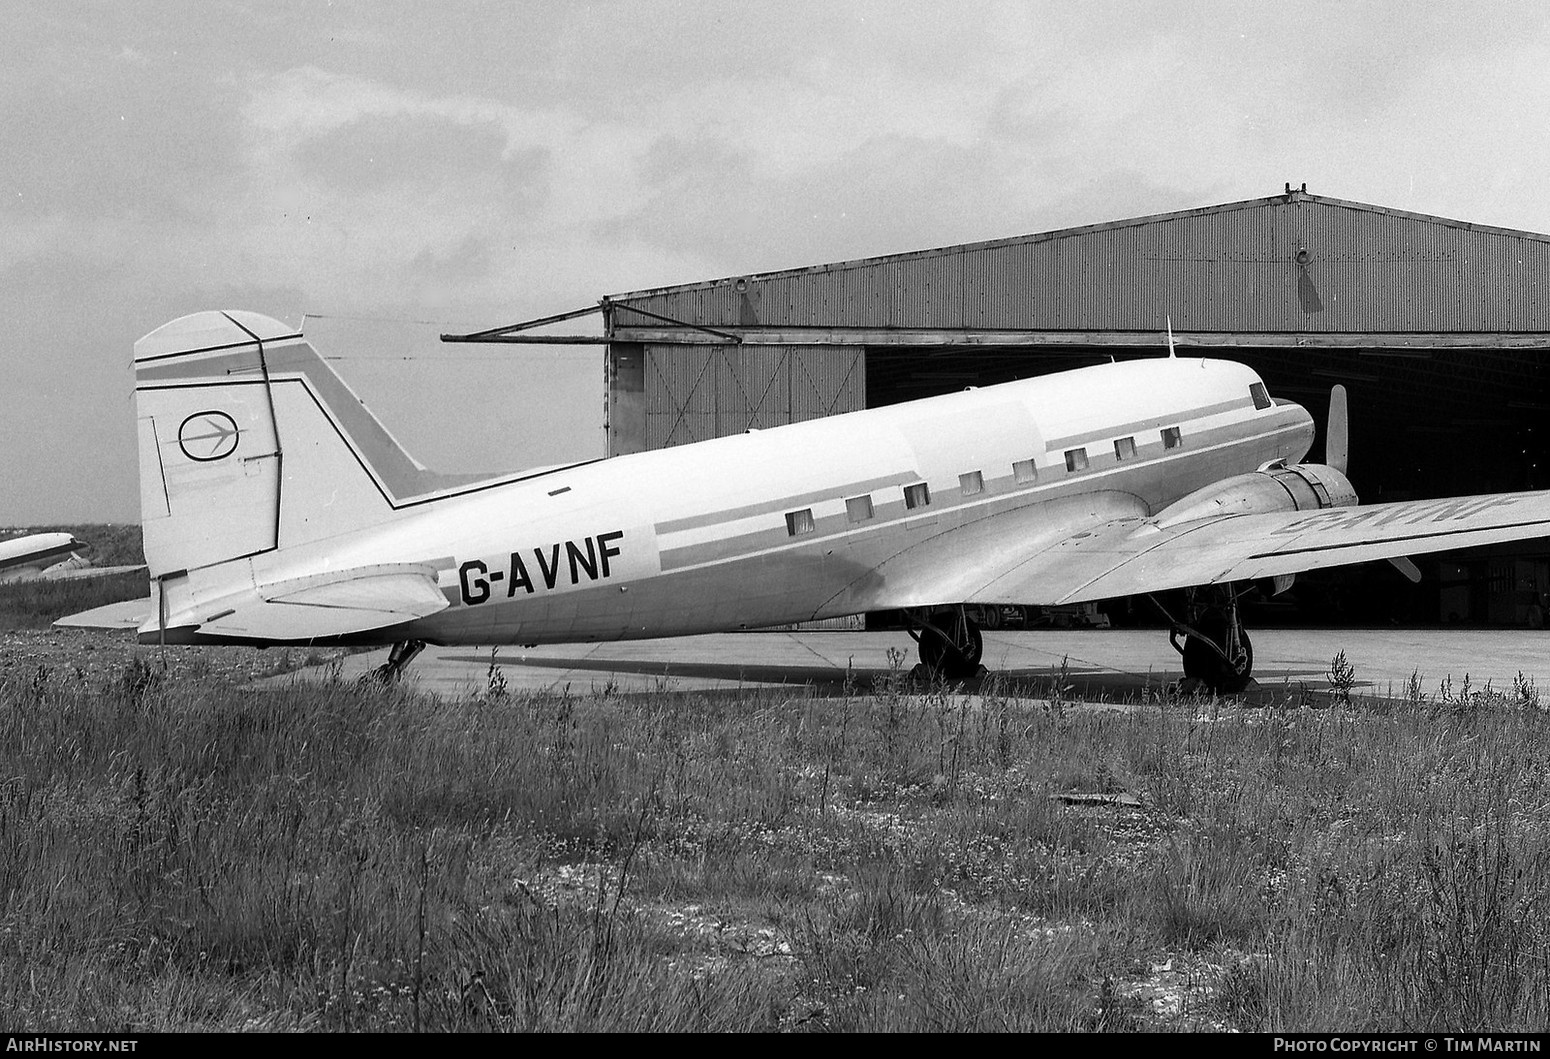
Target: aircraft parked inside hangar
x=277 y=510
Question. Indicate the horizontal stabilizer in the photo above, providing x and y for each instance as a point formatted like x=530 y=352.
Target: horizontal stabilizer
x=67 y=571
x=319 y=606
x=130 y=614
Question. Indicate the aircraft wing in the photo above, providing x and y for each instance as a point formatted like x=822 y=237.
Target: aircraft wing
x=1131 y=555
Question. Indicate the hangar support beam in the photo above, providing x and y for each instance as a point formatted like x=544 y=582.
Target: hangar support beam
x=1120 y=339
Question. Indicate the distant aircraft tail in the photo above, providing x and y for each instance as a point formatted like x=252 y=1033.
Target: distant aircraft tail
x=249 y=442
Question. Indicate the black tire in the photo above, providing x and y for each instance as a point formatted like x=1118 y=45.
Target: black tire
x=1210 y=668
x=384 y=676
x=941 y=657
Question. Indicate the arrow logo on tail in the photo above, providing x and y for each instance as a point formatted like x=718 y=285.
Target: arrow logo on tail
x=208 y=436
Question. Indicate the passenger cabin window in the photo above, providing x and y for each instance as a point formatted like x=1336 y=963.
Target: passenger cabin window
x=1125 y=449
x=800 y=522
x=971 y=483
x=1025 y=471
x=917 y=495
x=1076 y=459
x=859 y=508
x=1261 y=397
x=1171 y=438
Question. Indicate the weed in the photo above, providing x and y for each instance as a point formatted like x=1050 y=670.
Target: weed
x=1524 y=694
x=495 y=687
x=1342 y=678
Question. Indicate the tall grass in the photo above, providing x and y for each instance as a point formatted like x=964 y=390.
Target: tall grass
x=195 y=854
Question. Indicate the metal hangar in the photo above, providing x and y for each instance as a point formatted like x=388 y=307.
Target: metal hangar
x=1438 y=328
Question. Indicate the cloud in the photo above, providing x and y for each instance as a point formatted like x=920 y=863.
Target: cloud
x=490 y=160
x=103 y=143
x=376 y=151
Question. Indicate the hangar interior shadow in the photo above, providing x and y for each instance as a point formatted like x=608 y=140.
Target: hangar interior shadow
x=1424 y=423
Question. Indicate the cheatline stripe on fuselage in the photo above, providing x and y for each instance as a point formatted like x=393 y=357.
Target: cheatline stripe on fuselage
x=789 y=503
x=890 y=514
x=854 y=489
x=1072 y=441
x=401 y=483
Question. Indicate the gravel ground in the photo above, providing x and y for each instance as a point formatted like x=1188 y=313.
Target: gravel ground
x=95 y=656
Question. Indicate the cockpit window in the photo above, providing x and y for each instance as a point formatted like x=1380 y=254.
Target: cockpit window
x=1261 y=397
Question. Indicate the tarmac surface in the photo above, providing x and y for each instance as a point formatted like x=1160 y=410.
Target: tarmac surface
x=1109 y=664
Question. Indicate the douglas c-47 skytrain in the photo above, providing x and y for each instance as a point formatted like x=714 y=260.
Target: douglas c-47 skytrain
x=278 y=510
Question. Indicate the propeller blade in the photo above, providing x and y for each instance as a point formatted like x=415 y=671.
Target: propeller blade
x=1411 y=571
x=1337 y=432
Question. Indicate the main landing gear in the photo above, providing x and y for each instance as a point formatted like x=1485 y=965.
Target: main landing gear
x=1216 y=650
x=950 y=642
x=400 y=656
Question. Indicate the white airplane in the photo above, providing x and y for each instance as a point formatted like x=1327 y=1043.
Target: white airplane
x=34 y=553
x=49 y=557
x=278 y=510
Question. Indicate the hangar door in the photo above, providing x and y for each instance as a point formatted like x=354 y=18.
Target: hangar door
x=694 y=393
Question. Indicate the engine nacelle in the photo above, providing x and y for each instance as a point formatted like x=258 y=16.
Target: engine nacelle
x=1299 y=487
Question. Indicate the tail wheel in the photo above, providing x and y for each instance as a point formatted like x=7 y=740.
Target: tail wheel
x=956 y=658
x=400 y=656
x=1206 y=664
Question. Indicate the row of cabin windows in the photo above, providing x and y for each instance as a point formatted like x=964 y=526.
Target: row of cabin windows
x=1124 y=449
x=859 y=508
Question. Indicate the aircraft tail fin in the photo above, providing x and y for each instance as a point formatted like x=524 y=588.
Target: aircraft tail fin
x=249 y=442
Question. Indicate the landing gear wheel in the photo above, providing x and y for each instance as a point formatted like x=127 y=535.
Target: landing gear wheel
x=400 y=656
x=952 y=661
x=1206 y=665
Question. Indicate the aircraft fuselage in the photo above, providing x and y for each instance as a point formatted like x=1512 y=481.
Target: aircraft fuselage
x=816 y=519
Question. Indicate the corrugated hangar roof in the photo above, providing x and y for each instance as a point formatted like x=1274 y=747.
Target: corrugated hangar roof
x=1295 y=268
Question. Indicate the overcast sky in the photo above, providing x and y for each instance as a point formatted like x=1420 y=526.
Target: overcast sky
x=485 y=162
